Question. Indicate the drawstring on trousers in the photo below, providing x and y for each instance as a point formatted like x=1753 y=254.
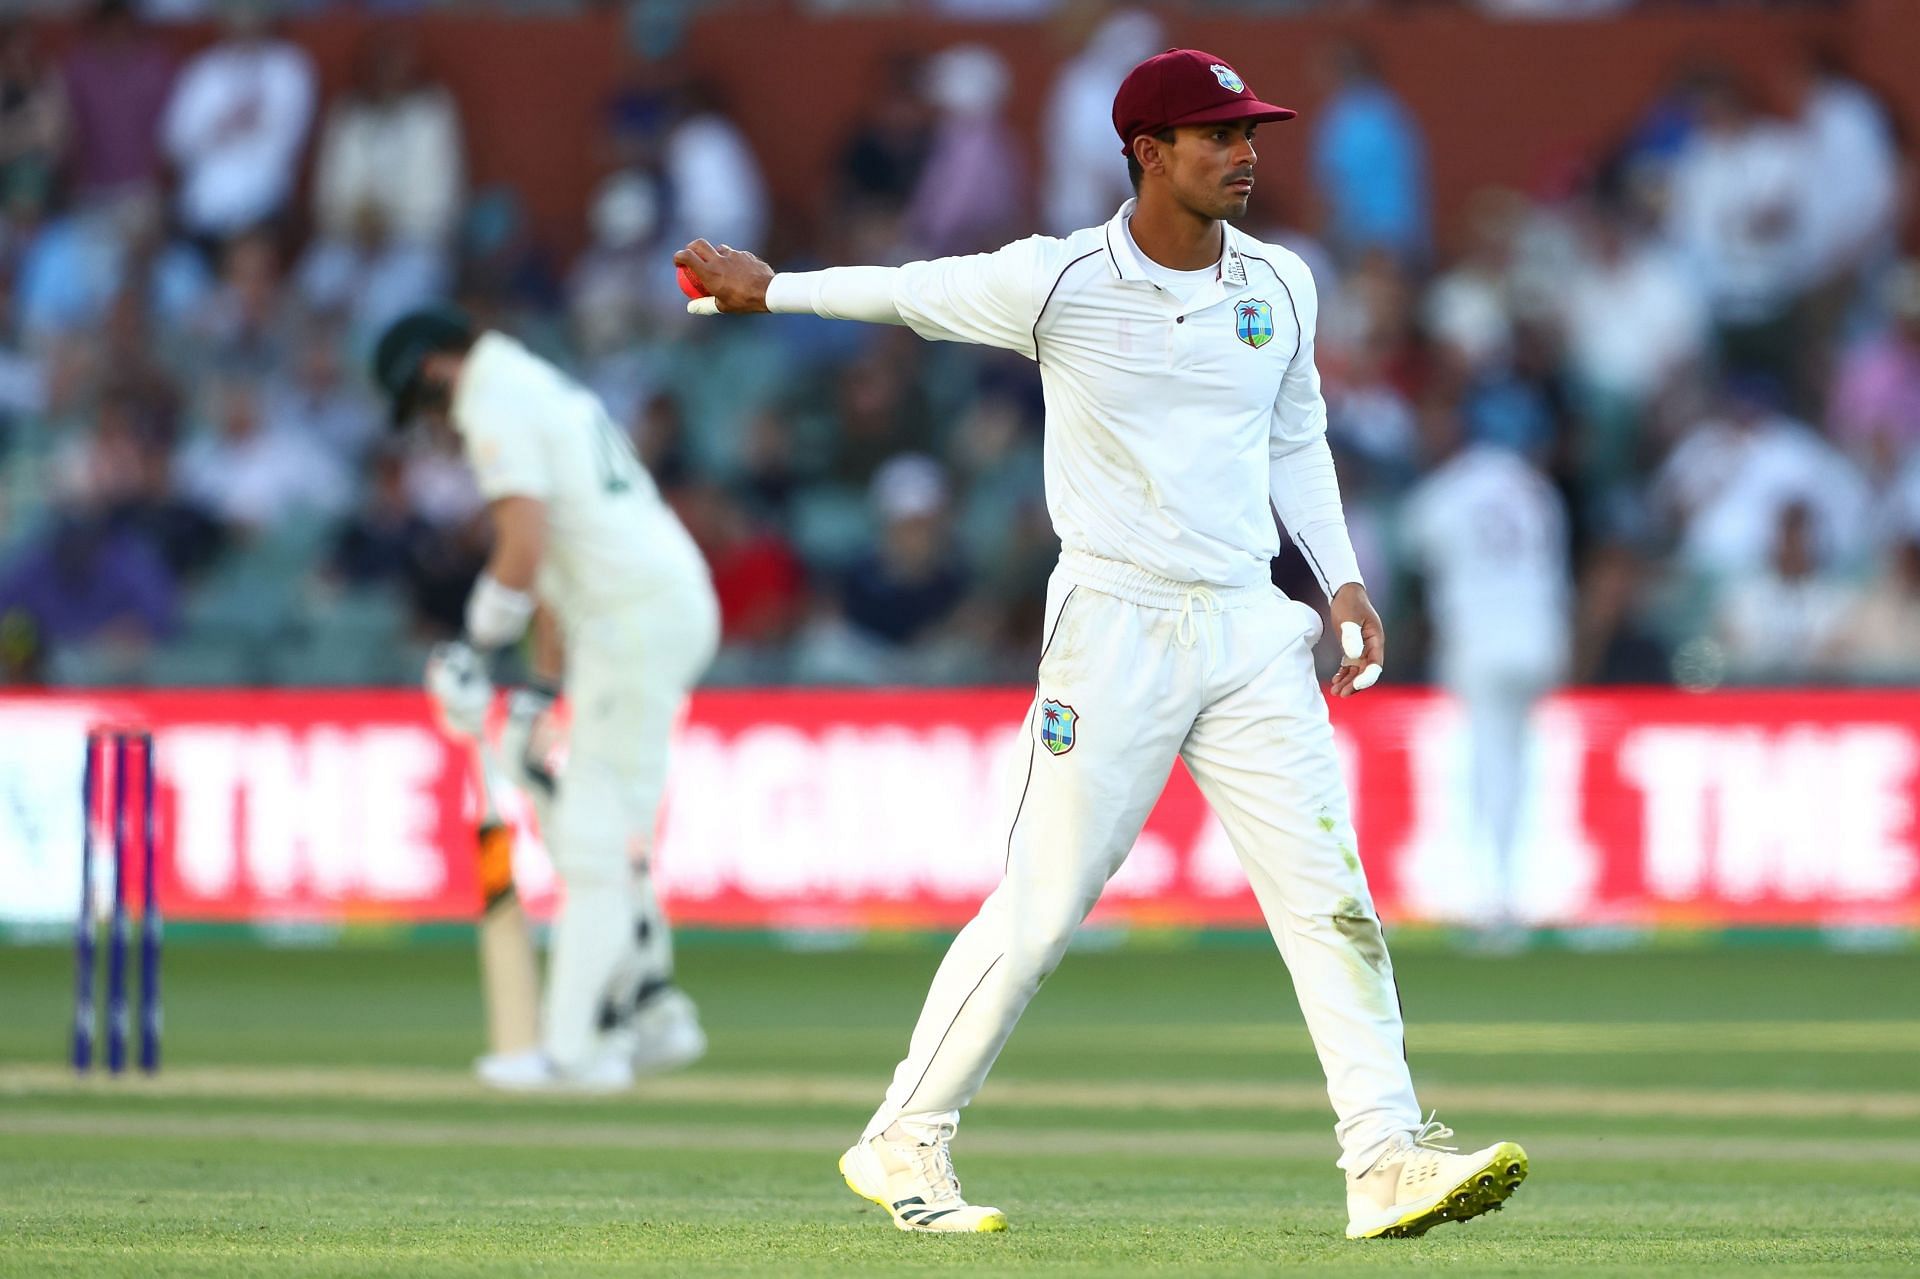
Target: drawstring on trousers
x=1188 y=632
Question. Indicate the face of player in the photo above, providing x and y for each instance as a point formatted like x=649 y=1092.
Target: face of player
x=433 y=398
x=1210 y=168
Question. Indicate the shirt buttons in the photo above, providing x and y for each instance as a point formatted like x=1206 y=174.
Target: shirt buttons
x=1179 y=319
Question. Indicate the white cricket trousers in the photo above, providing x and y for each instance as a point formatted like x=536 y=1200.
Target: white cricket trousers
x=1149 y=670
x=628 y=674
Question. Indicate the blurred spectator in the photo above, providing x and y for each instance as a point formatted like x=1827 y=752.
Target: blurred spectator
x=384 y=541
x=34 y=116
x=86 y=581
x=1882 y=637
x=372 y=278
x=1615 y=641
x=759 y=578
x=881 y=411
x=236 y=125
x=316 y=399
x=1730 y=479
x=881 y=163
x=1368 y=416
x=1875 y=410
x=1853 y=180
x=388 y=180
x=911 y=581
x=972 y=192
x=660 y=438
x=1369 y=163
x=769 y=475
x=390 y=150
x=250 y=473
x=122 y=469
x=716 y=188
x=1739 y=214
x=1646 y=158
x=1785 y=623
x=502 y=265
x=623 y=284
x=118 y=80
x=245 y=321
x=1468 y=308
x=1632 y=323
x=1085 y=178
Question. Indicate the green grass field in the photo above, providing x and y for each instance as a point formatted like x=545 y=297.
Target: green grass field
x=1715 y=1111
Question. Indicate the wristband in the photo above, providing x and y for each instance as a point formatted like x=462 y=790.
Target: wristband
x=496 y=614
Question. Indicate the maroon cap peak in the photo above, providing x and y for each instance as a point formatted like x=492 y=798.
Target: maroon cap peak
x=1185 y=86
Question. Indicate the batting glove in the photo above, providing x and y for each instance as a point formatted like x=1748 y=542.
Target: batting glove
x=457 y=682
x=530 y=737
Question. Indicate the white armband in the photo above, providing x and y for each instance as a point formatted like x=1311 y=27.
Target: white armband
x=837 y=293
x=496 y=614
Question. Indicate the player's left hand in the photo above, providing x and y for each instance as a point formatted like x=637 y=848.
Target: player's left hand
x=457 y=681
x=1363 y=641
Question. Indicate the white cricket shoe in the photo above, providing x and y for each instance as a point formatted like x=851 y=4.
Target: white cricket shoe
x=663 y=1035
x=533 y=1071
x=913 y=1180
x=1418 y=1184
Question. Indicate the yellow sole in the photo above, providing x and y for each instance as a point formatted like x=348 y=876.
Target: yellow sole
x=1486 y=1190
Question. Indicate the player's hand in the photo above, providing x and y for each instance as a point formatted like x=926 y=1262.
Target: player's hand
x=530 y=737
x=1363 y=641
x=736 y=279
x=457 y=682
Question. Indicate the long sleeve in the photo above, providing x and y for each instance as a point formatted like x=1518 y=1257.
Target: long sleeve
x=1306 y=493
x=1304 y=488
x=991 y=299
x=838 y=293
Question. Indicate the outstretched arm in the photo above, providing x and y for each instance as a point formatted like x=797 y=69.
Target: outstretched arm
x=741 y=283
x=993 y=299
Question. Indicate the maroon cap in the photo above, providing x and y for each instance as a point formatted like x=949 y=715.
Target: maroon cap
x=1184 y=86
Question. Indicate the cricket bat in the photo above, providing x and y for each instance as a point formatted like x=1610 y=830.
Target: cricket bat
x=509 y=971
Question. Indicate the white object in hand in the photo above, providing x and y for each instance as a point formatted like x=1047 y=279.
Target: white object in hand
x=1354 y=646
x=703 y=306
x=457 y=681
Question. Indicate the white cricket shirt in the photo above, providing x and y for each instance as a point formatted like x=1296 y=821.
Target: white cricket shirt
x=531 y=431
x=1171 y=425
x=1490 y=533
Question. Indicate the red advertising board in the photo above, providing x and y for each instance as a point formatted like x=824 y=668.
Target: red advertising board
x=835 y=809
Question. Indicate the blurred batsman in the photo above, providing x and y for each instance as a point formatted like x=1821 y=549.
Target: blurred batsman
x=1183 y=408
x=579 y=528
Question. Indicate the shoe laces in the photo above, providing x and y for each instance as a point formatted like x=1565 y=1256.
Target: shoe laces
x=1430 y=1134
x=933 y=1162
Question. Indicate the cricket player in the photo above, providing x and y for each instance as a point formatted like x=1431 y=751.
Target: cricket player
x=1490 y=533
x=1176 y=356
x=579 y=528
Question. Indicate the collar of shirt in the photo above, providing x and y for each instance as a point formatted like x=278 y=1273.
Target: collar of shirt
x=1123 y=262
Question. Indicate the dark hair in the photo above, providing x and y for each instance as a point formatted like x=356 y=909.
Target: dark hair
x=1134 y=171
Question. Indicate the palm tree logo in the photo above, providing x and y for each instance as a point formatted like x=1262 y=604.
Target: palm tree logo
x=1254 y=322
x=1057 y=723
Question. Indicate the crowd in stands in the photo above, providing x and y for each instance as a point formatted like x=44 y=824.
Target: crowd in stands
x=1705 y=336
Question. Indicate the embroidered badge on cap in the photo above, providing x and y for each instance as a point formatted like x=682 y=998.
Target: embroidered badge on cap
x=1253 y=323
x=1229 y=81
x=1057 y=721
